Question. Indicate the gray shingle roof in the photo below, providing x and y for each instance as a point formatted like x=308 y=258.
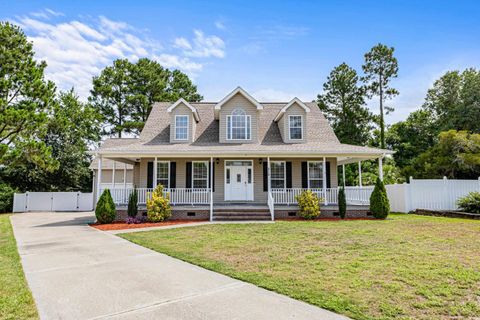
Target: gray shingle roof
x=155 y=136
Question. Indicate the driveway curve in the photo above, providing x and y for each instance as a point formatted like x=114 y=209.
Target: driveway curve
x=77 y=272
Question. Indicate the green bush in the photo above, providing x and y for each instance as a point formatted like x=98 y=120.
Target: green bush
x=105 y=209
x=6 y=198
x=309 y=204
x=132 y=209
x=158 y=206
x=342 y=202
x=470 y=203
x=379 y=204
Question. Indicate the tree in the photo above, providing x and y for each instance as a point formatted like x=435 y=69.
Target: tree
x=71 y=128
x=125 y=93
x=25 y=98
x=380 y=68
x=342 y=202
x=105 y=210
x=456 y=156
x=343 y=104
x=379 y=204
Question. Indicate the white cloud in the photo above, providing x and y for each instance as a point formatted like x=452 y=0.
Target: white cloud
x=77 y=50
x=220 y=25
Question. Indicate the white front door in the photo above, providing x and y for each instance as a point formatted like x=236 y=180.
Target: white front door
x=238 y=180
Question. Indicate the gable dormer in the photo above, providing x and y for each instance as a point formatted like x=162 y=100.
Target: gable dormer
x=292 y=121
x=183 y=121
x=238 y=115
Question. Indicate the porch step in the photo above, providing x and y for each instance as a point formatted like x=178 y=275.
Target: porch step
x=241 y=216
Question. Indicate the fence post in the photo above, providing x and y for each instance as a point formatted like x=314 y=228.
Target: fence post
x=78 y=200
x=446 y=202
x=26 y=201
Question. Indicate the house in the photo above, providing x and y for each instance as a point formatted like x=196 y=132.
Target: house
x=114 y=174
x=237 y=158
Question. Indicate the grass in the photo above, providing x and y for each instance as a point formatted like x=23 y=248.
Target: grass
x=16 y=300
x=406 y=267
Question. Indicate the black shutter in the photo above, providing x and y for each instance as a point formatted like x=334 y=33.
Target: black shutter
x=150 y=175
x=188 y=175
x=288 y=169
x=173 y=174
x=328 y=174
x=265 y=176
x=304 y=174
x=211 y=177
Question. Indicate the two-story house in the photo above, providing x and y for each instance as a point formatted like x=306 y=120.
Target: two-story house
x=236 y=158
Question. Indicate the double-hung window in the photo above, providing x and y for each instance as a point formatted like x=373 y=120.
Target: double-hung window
x=200 y=174
x=315 y=174
x=239 y=125
x=295 y=127
x=163 y=173
x=181 y=127
x=278 y=174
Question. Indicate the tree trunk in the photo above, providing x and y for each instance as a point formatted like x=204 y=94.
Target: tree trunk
x=382 y=124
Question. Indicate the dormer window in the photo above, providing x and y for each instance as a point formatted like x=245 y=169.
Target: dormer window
x=181 y=127
x=295 y=127
x=238 y=125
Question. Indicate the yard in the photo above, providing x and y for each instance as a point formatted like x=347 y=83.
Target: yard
x=405 y=267
x=16 y=301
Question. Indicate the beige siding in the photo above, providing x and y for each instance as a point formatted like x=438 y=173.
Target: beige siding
x=297 y=171
x=238 y=101
x=182 y=109
x=107 y=175
x=283 y=123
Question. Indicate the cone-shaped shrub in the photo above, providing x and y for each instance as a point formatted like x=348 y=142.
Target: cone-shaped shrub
x=105 y=209
x=342 y=202
x=379 y=204
x=132 y=210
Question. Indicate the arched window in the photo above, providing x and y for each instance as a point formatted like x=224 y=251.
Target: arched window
x=238 y=125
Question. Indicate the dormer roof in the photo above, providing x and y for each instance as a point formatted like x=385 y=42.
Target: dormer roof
x=288 y=105
x=238 y=90
x=183 y=101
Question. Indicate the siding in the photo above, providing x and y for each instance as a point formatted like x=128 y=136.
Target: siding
x=182 y=109
x=238 y=101
x=294 y=110
x=107 y=175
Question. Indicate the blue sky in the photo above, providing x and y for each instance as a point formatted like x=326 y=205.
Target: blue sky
x=274 y=49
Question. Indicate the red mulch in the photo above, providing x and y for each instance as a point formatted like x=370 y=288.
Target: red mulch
x=327 y=219
x=120 y=225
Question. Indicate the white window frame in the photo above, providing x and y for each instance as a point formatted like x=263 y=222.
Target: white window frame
x=289 y=127
x=308 y=173
x=248 y=127
x=284 y=173
x=168 y=174
x=193 y=173
x=188 y=127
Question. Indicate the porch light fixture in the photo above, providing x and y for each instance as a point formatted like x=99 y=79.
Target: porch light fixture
x=217 y=161
x=260 y=161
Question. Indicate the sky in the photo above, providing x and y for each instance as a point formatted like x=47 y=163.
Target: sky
x=276 y=50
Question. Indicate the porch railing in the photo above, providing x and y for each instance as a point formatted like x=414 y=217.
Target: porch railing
x=177 y=195
x=353 y=195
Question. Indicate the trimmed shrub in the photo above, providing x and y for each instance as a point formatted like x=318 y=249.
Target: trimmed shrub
x=132 y=209
x=379 y=204
x=342 y=202
x=158 y=206
x=470 y=203
x=309 y=204
x=6 y=198
x=105 y=209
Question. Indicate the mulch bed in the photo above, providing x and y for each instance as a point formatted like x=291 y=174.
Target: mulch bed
x=120 y=225
x=448 y=213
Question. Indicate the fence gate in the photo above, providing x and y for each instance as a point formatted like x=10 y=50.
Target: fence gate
x=52 y=201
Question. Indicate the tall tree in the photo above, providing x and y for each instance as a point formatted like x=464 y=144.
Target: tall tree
x=25 y=97
x=343 y=104
x=71 y=128
x=380 y=68
x=124 y=93
x=110 y=95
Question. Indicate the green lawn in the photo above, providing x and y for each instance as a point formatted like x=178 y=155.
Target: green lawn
x=16 y=300
x=406 y=267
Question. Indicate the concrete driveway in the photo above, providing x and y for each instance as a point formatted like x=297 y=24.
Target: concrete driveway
x=77 y=272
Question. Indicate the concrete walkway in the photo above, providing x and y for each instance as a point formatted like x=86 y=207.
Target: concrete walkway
x=77 y=272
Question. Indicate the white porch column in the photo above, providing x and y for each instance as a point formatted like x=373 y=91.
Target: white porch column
x=343 y=174
x=324 y=178
x=125 y=196
x=269 y=176
x=155 y=173
x=360 y=173
x=113 y=174
x=380 y=168
x=211 y=188
x=99 y=176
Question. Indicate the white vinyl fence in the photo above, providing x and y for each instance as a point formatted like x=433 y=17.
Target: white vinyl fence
x=52 y=201
x=433 y=194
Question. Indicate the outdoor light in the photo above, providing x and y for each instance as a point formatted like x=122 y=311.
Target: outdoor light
x=260 y=161
x=217 y=161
